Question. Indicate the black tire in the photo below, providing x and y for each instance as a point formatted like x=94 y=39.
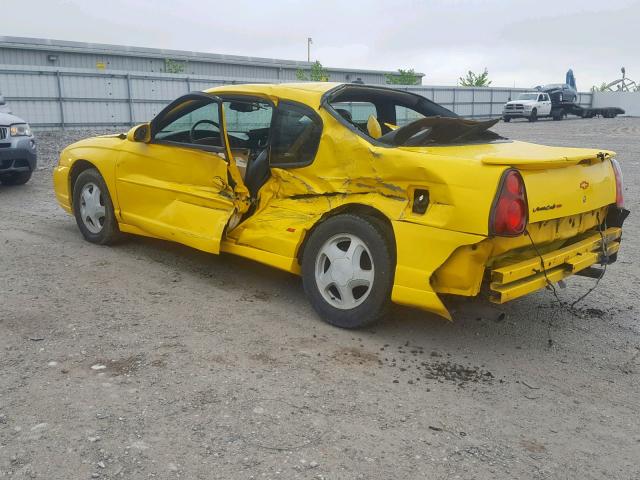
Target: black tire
x=16 y=178
x=557 y=115
x=109 y=232
x=534 y=115
x=506 y=119
x=373 y=233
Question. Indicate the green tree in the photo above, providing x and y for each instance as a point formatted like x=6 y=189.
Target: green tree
x=173 y=66
x=404 y=77
x=475 y=80
x=317 y=73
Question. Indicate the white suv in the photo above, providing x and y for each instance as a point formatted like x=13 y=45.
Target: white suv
x=4 y=108
x=18 y=158
x=530 y=105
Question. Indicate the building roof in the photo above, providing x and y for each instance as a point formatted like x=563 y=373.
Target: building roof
x=145 y=52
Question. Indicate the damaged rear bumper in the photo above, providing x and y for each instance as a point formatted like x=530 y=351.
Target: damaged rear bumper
x=506 y=268
x=518 y=279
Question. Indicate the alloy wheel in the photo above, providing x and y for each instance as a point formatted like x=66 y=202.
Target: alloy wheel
x=344 y=271
x=92 y=209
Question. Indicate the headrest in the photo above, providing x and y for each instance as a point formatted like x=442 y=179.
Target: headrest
x=373 y=127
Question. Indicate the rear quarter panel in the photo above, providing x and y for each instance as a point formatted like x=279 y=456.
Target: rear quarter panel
x=461 y=189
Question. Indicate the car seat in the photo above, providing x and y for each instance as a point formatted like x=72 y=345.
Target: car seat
x=373 y=127
x=258 y=172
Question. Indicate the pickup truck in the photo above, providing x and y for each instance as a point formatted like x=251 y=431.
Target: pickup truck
x=529 y=105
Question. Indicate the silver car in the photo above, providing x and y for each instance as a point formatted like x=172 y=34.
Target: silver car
x=18 y=157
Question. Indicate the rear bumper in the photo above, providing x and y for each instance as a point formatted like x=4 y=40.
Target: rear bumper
x=518 y=279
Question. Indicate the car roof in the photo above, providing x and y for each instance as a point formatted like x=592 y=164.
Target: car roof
x=308 y=92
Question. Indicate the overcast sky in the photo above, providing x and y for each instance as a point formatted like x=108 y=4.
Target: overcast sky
x=522 y=42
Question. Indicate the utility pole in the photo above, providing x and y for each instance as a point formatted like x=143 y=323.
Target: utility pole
x=309 y=42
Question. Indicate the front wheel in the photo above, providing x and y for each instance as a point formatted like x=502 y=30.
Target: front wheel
x=506 y=119
x=347 y=270
x=534 y=115
x=93 y=208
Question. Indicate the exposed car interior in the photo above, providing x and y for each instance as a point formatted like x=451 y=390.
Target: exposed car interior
x=397 y=118
x=258 y=138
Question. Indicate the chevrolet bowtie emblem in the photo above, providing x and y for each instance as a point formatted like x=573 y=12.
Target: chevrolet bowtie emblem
x=584 y=185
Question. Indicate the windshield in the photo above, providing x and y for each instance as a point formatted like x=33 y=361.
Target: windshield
x=528 y=96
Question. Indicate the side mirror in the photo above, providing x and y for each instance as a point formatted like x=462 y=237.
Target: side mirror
x=140 y=133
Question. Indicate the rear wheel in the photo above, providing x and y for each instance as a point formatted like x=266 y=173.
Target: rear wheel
x=347 y=270
x=93 y=208
x=15 y=178
x=534 y=115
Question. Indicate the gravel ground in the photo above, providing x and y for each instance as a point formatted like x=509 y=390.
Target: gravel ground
x=150 y=360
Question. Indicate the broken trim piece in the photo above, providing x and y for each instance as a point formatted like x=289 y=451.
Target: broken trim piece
x=439 y=126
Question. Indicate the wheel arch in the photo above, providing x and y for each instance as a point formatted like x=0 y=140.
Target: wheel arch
x=358 y=209
x=76 y=169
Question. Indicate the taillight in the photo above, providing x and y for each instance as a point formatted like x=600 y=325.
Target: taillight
x=619 y=184
x=510 y=211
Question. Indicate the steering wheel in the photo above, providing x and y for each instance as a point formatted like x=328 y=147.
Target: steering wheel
x=195 y=125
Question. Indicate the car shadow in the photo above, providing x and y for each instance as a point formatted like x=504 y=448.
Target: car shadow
x=476 y=322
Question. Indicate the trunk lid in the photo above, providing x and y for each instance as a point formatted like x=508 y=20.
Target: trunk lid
x=559 y=181
x=530 y=156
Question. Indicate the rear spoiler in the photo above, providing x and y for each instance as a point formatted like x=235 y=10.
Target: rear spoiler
x=549 y=162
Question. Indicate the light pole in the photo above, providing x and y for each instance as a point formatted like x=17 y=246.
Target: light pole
x=309 y=42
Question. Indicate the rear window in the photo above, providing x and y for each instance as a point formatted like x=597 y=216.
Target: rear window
x=356 y=112
x=406 y=115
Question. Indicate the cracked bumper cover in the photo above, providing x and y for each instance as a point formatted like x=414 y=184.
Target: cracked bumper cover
x=519 y=279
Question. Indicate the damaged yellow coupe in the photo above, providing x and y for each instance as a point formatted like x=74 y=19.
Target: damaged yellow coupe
x=371 y=194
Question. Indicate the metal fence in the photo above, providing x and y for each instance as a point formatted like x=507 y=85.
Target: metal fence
x=51 y=98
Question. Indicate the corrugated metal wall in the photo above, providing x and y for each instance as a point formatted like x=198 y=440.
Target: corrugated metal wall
x=50 y=98
x=113 y=63
x=117 y=58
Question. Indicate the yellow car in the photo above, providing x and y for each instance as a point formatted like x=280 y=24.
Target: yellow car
x=371 y=194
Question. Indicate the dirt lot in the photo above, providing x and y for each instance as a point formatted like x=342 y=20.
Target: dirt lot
x=150 y=360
